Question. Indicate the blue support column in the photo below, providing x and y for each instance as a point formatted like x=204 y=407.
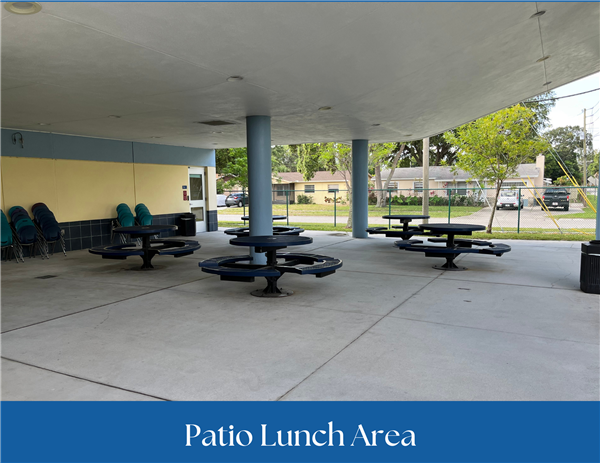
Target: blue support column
x=360 y=188
x=258 y=139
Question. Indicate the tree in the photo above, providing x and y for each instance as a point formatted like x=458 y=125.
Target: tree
x=441 y=152
x=334 y=157
x=285 y=159
x=491 y=148
x=232 y=163
x=593 y=167
x=383 y=155
x=541 y=106
x=567 y=147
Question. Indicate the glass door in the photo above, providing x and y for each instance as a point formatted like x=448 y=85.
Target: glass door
x=197 y=197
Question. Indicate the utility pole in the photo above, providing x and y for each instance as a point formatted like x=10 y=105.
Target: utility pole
x=426 y=178
x=584 y=149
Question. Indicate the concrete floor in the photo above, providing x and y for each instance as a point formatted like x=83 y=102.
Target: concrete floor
x=387 y=326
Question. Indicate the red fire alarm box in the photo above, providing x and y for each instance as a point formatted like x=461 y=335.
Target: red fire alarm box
x=185 y=196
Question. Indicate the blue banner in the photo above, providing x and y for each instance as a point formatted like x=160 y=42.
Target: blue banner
x=300 y=431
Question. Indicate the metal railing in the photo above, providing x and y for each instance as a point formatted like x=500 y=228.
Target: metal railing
x=448 y=205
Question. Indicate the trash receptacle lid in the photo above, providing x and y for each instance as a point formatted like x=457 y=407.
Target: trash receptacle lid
x=593 y=247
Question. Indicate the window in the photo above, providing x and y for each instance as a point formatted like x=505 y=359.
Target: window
x=280 y=189
x=333 y=188
x=393 y=186
x=309 y=188
x=512 y=184
x=418 y=186
x=461 y=188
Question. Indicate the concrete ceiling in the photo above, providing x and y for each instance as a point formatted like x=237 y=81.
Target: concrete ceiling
x=416 y=69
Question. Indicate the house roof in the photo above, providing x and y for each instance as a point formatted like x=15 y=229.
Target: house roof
x=445 y=174
x=321 y=176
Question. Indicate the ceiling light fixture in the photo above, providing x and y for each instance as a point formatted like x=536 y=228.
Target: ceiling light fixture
x=375 y=125
x=155 y=137
x=408 y=135
x=324 y=108
x=543 y=59
x=214 y=123
x=547 y=83
x=112 y=116
x=43 y=123
x=216 y=132
x=234 y=78
x=538 y=14
x=23 y=7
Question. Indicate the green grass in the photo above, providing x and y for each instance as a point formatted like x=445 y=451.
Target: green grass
x=587 y=213
x=342 y=211
x=509 y=234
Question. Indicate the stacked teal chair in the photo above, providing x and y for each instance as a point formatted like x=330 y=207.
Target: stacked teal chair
x=143 y=214
x=47 y=224
x=24 y=227
x=7 y=238
x=125 y=216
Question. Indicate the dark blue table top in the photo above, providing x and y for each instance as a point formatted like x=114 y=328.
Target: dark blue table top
x=144 y=229
x=405 y=217
x=275 y=217
x=455 y=228
x=271 y=241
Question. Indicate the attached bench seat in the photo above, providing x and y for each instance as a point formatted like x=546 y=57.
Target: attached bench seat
x=432 y=251
x=232 y=268
x=462 y=242
x=318 y=265
x=277 y=230
x=177 y=248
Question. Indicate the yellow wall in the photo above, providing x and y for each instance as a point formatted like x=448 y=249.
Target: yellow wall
x=89 y=190
x=2 y=193
x=211 y=186
x=321 y=190
x=26 y=181
x=158 y=186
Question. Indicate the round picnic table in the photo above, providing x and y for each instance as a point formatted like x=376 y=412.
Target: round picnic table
x=405 y=219
x=241 y=268
x=453 y=247
x=405 y=231
x=451 y=229
x=275 y=217
x=149 y=247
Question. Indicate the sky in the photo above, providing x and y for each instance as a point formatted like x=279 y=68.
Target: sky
x=569 y=111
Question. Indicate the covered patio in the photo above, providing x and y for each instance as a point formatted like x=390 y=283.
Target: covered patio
x=387 y=326
x=132 y=77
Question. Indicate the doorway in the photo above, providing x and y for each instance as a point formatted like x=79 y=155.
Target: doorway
x=198 y=197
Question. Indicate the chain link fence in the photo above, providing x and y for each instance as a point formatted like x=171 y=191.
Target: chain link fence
x=518 y=210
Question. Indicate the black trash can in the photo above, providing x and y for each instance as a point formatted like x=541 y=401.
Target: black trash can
x=187 y=224
x=589 y=276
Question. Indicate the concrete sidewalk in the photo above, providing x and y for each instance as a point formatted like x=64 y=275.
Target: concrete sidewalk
x=387 y=326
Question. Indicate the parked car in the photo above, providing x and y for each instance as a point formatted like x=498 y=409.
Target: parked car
x=237 y=199
x=221 y=200
x=509 y=198
x=556 y=197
